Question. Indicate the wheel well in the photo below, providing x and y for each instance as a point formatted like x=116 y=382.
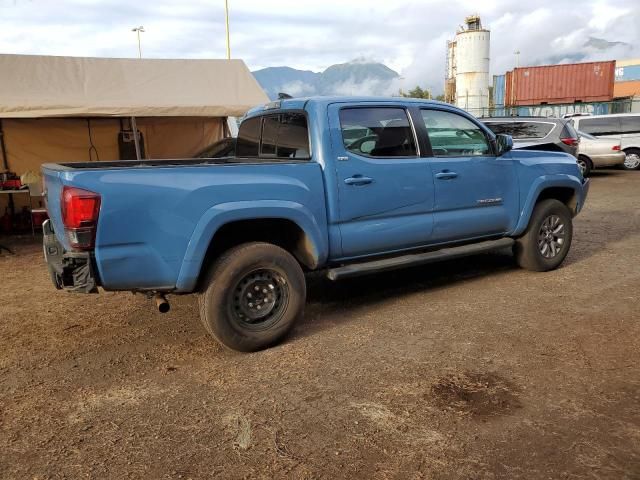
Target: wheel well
x=566 y=195
x=278 y=231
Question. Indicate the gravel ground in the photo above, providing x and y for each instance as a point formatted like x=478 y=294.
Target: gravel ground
x=460 y=370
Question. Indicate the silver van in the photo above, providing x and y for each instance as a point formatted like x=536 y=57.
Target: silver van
x=623 y=126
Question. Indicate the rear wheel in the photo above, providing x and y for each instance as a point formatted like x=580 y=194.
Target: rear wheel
x=253 y=294
x=547 y=240
x=632 y=159
x=585 y=165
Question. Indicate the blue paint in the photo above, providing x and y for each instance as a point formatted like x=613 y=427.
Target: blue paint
x=498 y=90
x=628 y=73
x=156 y=223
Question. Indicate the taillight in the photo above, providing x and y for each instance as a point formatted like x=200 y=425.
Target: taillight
x=571 y=141
x=80 y=209
x=616 y=148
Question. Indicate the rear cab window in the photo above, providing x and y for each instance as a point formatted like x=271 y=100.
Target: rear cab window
x=276 y=136
x=377 y=132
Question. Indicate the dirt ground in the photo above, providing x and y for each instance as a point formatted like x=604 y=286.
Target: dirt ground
x=468 y=369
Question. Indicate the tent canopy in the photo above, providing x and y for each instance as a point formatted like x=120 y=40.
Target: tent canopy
x=34 y=86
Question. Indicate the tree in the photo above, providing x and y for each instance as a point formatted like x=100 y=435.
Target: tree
x=418 y=92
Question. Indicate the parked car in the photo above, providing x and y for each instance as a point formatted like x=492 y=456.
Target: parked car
x=622 y=126
x=220 y=149
x=537 y=133
x=422 y=181
x=598 y=153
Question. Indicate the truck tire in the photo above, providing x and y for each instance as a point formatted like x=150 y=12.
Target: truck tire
x=632 y=159
x=585 y=165
x=251 y=296
x=547 y=239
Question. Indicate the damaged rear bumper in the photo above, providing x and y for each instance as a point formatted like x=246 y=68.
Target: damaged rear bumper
x=72 y=271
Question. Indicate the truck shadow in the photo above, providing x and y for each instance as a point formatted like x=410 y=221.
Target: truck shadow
x=325 y=297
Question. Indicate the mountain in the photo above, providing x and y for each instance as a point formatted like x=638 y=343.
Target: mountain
x=359 y=77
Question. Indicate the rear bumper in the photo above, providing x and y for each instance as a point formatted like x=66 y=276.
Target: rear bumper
x=72 y=271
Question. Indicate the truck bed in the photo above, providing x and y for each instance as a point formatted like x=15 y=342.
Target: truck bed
x=157 y=217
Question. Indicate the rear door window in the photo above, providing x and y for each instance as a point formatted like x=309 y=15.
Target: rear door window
x=528 y=130
x=630 y=124
x=452 y=135
x=601 y=126
x=377 y=132
x=499 y=128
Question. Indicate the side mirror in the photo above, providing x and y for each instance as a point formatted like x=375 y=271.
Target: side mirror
x=504 y=143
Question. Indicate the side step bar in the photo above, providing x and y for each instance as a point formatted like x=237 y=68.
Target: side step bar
x=447 y=253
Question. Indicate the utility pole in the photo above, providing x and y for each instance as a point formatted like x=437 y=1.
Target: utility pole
x=226 y=17
x=139 y=30
x=517 y=54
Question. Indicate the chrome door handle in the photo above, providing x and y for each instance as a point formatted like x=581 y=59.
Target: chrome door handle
x=446 y=175
x=358 y=180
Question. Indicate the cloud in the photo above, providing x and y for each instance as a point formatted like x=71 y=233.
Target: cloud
x=407 y=35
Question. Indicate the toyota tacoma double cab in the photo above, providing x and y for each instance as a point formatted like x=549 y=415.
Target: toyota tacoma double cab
x=346 y=186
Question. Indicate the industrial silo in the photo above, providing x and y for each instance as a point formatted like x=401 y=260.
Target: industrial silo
x=472 y=66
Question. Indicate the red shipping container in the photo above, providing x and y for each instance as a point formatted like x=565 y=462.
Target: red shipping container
x=568 y=83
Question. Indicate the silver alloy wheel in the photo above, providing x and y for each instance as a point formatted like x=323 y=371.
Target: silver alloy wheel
x=551 y=237
x=582 y=164
x=632 y=160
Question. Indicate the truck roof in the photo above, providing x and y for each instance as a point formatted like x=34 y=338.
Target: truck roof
x=301 y=103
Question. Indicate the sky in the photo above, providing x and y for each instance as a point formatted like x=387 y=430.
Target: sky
x=408 y=36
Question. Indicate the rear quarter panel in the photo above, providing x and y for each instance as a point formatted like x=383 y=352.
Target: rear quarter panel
x=156 y=223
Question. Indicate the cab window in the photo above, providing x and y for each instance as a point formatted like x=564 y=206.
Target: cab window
x=453 y=135
x=377 y=132
x=277 y=136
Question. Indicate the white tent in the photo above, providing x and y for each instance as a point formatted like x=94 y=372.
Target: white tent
x=55 y=109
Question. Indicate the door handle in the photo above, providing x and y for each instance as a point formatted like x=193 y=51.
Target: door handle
x=446 y=175
x=358 y=180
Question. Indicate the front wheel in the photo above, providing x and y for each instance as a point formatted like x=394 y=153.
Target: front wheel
x=547 y=240
x=252 y=296
x=631 y=159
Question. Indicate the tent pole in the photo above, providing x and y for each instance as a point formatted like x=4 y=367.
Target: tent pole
x=5 y=163
x=136 y=140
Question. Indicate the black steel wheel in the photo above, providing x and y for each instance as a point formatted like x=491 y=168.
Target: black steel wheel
x=252 y=296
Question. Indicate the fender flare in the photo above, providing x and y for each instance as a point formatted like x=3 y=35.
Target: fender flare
x=225 y=213
x=539 y=185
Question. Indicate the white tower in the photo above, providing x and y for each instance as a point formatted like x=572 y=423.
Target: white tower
x=472 y=66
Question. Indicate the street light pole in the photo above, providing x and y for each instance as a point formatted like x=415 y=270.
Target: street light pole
x=138 y=30
x=226 y=18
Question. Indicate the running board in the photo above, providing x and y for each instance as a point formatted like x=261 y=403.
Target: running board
x=447 y=253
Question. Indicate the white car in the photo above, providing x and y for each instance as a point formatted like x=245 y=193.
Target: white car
x=622 y=126
x=598 y=153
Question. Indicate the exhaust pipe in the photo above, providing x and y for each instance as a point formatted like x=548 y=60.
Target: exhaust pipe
x=161 y=303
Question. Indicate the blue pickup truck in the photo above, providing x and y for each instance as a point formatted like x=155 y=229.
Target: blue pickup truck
x=347 y=186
